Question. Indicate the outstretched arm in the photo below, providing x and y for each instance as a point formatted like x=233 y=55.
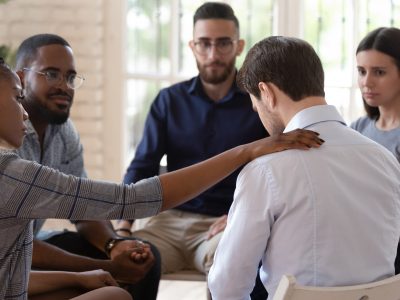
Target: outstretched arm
x=184 y=184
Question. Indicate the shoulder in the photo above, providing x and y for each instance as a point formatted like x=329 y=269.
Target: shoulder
x=361 y=123
x=67 y=134
x=68 y=129
x=178 y=88
x=173 y=95
x=11 y=162
x=272 y=165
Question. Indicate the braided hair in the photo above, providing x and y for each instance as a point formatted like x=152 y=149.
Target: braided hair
x=5 y=70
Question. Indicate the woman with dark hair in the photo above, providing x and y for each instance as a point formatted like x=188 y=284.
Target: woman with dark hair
x=378 y=64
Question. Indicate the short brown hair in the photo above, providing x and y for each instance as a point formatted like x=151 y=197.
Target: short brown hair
x=289 y=63
x=215 y=10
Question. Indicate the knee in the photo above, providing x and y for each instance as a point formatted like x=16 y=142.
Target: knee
x=113 y=292
x=204 y=256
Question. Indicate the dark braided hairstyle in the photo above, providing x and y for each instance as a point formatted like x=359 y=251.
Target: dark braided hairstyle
x=5 y=70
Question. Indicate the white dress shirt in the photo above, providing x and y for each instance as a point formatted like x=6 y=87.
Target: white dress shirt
x=328 y=216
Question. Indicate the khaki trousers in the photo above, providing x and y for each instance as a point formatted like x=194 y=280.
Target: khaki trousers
x=181 y=239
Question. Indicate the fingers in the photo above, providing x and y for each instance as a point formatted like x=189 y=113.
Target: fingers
x=302 y=139
x=215 y=230
x=217 y=226
x=109 y=280
x=141 y=252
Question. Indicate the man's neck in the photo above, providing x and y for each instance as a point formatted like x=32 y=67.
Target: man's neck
x=218 y=91
x=293 y=107
x=40 y=129
x=38 y=123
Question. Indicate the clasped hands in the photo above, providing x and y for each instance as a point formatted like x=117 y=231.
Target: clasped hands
x=131 y=260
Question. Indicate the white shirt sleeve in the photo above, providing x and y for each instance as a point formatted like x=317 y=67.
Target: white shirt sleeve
x=245 y=238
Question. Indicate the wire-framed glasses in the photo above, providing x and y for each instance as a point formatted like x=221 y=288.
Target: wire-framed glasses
x=223 y=46
x=55 y=77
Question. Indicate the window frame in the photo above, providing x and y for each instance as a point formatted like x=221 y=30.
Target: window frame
x=287 y=22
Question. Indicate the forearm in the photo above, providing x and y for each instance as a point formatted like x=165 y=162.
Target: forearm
x=124 y=227
x=48 y=257
x=184 y=184
x=96 y=232
x=47 y=281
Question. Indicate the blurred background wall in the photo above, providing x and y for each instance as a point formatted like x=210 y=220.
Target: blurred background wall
x=129 y=49
x=88 y=25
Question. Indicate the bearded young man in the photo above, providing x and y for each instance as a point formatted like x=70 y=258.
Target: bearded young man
x=190 y=122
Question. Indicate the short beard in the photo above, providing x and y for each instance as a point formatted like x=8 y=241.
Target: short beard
x=43 y=112
x=215 y=78
x=51 y=117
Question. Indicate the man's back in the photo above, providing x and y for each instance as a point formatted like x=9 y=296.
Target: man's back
x=337 y=218
x=329 y=216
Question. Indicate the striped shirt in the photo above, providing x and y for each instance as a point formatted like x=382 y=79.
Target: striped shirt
x=31 y=191
x=62 y=150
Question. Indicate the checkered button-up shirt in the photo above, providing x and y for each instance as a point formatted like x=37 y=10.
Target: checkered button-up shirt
x=31 y=191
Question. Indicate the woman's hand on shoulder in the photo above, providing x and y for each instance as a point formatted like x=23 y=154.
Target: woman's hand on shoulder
x=297 y=139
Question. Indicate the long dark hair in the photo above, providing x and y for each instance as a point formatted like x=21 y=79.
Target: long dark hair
x=387 y=41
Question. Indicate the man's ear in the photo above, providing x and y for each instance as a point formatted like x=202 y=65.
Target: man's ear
x=21 y=76
x=240 y=47
x=267 y=94
x=191 y=45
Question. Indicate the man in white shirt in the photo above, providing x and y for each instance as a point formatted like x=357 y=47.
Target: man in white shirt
x=328 y=216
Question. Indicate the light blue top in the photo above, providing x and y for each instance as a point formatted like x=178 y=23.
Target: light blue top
x=390 y=139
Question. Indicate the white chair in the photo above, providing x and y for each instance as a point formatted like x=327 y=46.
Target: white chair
x=387 y=289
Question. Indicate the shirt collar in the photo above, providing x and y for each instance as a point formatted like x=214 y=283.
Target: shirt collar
x=313 y=115
x=196 y=88
x=30 y=128
x=50 y=128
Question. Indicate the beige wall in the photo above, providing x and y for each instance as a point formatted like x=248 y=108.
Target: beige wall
x=94 y=30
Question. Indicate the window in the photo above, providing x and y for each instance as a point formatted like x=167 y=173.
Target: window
x=158 y=32
x=335 y=28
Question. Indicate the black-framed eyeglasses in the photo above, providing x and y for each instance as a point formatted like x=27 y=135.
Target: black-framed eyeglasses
x=223 y=46
x=55 y=77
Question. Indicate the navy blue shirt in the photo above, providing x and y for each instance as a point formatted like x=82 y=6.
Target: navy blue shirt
x=189 y=127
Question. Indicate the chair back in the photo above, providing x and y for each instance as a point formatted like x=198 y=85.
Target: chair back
x=387 y=289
